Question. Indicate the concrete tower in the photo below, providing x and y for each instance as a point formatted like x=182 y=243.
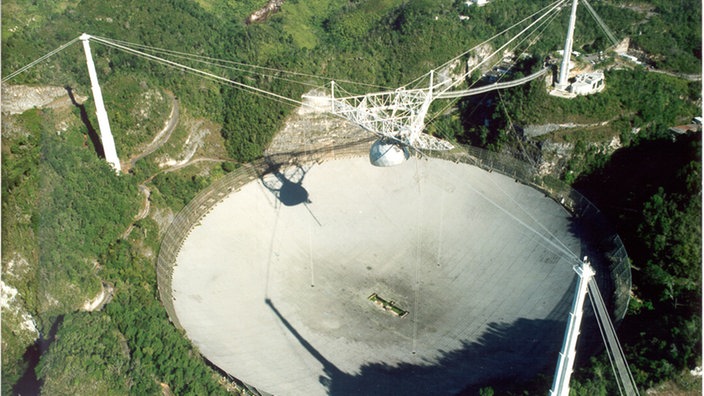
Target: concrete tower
x=103 y=123
x=562 y=83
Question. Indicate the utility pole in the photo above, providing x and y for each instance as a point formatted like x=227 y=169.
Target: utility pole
x=103 y=123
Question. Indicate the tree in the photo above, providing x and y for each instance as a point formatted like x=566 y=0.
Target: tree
x=89 y=356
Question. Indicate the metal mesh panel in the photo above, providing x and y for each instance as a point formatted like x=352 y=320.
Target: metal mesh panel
x=599 y=232
x=597 y=228
x=191 y=214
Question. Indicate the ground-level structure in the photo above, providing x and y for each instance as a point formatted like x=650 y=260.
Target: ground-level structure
x=588 y=83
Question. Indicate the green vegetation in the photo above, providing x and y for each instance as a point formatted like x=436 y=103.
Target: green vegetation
x=652 y=191
x=489 y=120
x=65 y=210
x=63 y=215
x=88 y=357
x=159 y=353
x=246 y=136
x=19 y=186
x=137 y=110
x=76 y=221
x=175 y=190
x=389 y=306
x=673 y=35
x=386 y=43
x=62 y=206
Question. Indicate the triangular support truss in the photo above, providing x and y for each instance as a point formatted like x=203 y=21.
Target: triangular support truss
x=398 y=115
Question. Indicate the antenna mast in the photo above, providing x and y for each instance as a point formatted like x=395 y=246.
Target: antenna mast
x=103 y=123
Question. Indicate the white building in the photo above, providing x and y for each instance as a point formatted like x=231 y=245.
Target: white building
x=588 y=83
x=476 y=2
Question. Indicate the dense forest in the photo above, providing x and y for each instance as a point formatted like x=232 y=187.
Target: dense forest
x=654 y=195
x=65 y=211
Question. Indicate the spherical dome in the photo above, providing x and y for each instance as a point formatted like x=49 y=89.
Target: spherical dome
x=386 y=153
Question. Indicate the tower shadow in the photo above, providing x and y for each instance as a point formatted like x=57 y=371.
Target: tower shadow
x=505 y=353
x=330 y=370
x=29 y=384
x=92 y=133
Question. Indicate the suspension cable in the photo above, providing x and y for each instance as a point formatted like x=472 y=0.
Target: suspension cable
x=537 y=33
x=625 y=375
x=512 y=127
x=609 y=34
x=33 y=63
x=234 y=65
x=194 y=70
x=563 y=248
x=554 y=5
x=558 y=248
x=469 y=72
x=417 y=81
x=609 y=352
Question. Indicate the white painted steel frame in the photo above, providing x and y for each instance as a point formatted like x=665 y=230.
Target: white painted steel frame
x=398 y=115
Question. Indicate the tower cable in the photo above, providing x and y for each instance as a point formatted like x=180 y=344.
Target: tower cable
x=35 y=62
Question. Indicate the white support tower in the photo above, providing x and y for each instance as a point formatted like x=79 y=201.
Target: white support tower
x=103 y=123
x=565 y=364
x=562 y=83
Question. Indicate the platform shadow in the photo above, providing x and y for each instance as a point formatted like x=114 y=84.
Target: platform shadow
x=286 y=184
x=506 y=352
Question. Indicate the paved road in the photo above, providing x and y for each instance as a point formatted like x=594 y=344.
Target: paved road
x=142 y=213
x=688 y=77
x=161 y=137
